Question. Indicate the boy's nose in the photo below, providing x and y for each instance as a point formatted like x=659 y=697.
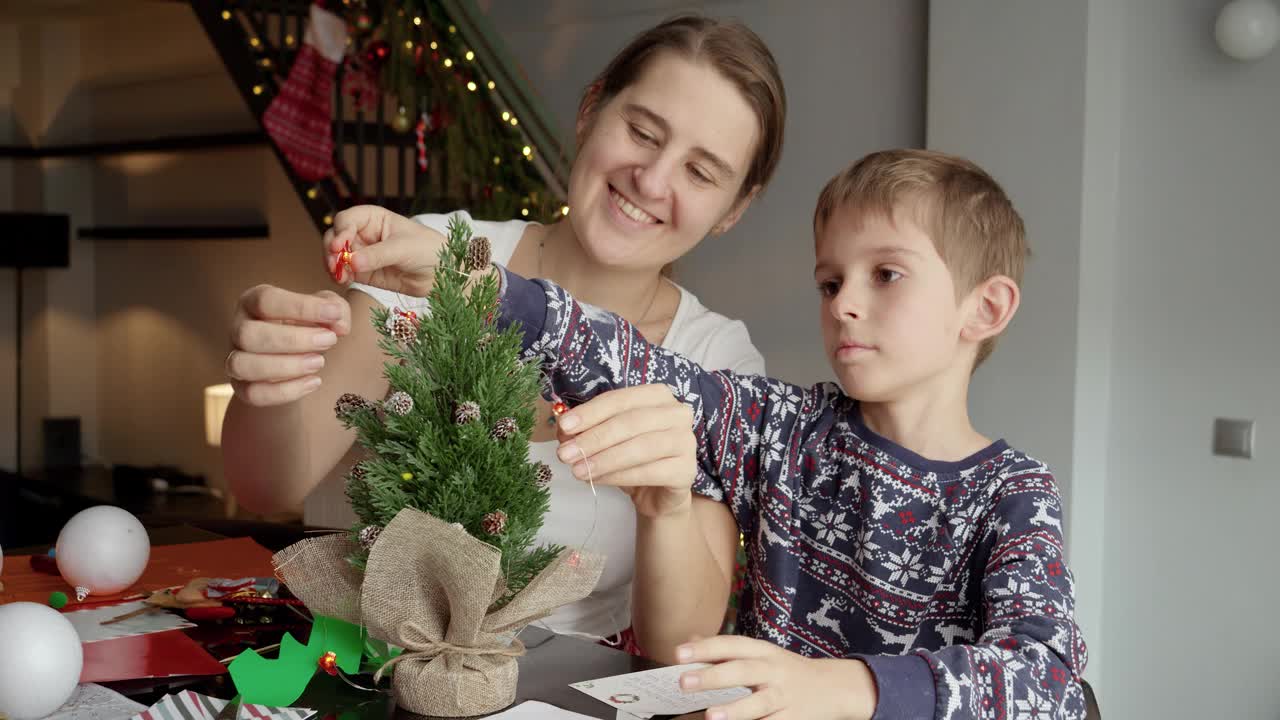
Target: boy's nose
x=846 y=305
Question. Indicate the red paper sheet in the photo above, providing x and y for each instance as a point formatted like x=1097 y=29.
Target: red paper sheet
x=155 y=655
x=169 y=566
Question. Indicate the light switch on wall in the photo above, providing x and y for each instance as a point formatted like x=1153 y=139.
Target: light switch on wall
x=1233 y=438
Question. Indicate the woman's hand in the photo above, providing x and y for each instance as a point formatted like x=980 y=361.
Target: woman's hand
x=278 y=341
x=386 y=250
x=639 y=439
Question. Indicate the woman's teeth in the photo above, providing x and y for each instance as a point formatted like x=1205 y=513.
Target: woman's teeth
x=630 y=210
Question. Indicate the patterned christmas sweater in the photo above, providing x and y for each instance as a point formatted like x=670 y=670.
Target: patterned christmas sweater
x=946 y=578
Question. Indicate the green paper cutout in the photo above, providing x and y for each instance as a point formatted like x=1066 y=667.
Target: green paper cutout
x=344 y=639
x=280 y=682
x=378 y=653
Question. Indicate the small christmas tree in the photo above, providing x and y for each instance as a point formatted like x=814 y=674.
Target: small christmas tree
x=452 y=437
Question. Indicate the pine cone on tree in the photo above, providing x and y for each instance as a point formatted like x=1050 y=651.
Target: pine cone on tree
x=495 y=522
x=369 y=535
x=403 y=330
x=355 y=476
x=466 y=412
x=542 y=475
x=349 y=404
x=504 y=428
x=399 y=403
x=479 y=254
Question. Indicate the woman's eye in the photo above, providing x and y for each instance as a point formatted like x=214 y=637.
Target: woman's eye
x=699 y=175
x=828 y=288
x=642 y=135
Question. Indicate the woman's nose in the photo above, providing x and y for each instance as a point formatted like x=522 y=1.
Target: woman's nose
x=653 y=178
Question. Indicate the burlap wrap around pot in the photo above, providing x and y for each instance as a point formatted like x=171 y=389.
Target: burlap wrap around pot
x=428 y=587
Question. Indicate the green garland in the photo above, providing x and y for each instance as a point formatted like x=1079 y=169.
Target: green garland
x=470 y=132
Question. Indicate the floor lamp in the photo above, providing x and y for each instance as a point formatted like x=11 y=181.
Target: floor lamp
x=216 y=400
x=30 y=240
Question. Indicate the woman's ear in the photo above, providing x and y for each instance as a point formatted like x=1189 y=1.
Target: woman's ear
x=993 y=304
x=587 y=111
x=732 y=217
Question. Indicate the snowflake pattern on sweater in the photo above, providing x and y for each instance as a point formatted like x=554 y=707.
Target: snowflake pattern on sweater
x=947 y=579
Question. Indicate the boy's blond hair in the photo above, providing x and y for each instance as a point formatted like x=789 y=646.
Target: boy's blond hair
x=962 y=208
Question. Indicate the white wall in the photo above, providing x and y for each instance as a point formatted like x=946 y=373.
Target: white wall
x=67 y=314
x=1007 y=88
x=134 y=330
x=1191 y=581
x=10 y=78
x=42 y=66
x=1144 y=162
x=854 y=76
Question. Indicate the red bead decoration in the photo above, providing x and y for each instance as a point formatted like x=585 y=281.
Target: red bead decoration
x=344 y=259
x=559 y=408
x=409 y=315
x=328 y=662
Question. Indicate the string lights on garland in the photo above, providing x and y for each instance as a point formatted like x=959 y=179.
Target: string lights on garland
x=438 y=90
x=458 y=138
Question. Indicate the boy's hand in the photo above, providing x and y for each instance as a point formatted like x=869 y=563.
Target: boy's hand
x=639 y=439
x=785 y=686
x=388 y=250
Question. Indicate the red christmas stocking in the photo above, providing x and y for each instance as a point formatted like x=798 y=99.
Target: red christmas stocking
x=299 y=119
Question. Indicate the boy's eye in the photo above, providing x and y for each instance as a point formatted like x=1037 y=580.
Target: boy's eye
x=886 y=275
x=828 y=288
x=642 y=136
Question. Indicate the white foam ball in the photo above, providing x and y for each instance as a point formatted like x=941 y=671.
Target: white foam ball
x=40 y=660
x=102 y=551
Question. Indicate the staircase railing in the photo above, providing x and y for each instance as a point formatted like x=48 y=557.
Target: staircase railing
x=376 y=162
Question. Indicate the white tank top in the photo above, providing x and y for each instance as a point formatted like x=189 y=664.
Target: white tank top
x=707 y=338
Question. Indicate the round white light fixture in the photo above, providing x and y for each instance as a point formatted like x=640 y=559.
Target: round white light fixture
x=1247 y=29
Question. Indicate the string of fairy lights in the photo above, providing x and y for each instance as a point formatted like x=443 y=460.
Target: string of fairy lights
x=430 y=49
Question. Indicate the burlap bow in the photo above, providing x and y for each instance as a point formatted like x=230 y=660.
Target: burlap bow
x=428 y=587
x=423 y=649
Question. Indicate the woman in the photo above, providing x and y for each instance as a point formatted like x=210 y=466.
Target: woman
x=675 y=138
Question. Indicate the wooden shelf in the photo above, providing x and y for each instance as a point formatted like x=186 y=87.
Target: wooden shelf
x=121 y=147
x=176 y=232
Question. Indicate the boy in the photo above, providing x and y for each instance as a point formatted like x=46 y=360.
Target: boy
x=900 y=564
x=880 y=523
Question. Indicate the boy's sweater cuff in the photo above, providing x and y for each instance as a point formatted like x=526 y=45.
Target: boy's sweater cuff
x=904 y=684
x=521 y=301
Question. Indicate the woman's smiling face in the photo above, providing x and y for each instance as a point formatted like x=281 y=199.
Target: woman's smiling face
x=661 y=164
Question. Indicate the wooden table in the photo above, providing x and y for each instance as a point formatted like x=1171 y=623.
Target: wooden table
x=551 y=663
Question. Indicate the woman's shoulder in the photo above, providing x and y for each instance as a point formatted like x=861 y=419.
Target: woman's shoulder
x=712 y=340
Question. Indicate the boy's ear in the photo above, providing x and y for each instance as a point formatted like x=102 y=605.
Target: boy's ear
x=993 y=303
x=732 y=217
